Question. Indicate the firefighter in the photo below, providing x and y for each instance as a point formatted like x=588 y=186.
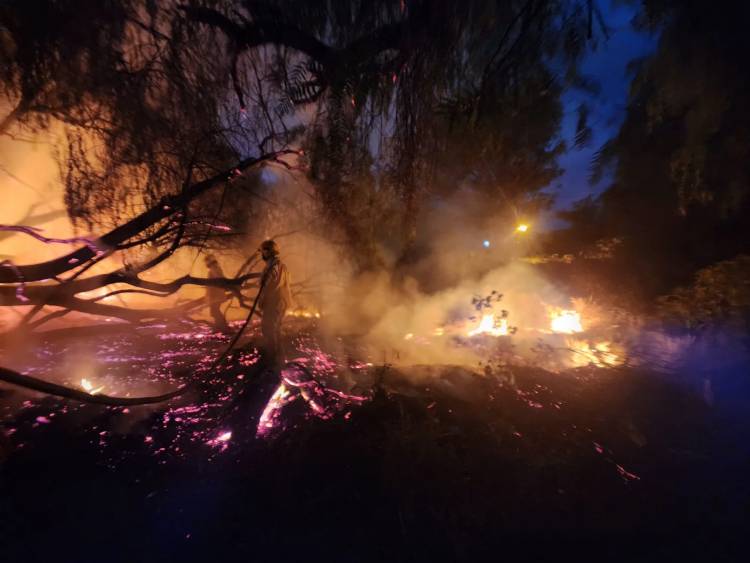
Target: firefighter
x=216 y=295
x=274 y=300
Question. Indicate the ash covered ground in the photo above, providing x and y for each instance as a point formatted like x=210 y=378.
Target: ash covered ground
x=349 y=458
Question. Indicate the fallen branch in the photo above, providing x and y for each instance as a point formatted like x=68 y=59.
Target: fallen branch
x=49 y=294
x=35 y=384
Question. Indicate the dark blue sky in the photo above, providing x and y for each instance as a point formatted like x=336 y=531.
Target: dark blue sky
x=607 y=65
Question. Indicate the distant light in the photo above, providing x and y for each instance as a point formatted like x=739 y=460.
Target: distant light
x=486 y=244
x=522 y=228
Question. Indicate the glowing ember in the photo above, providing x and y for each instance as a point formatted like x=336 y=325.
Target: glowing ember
x=489 y=325
x=304 y=378
x=270 y=418
x=565 y=321
x=89 y=387
x=221 y=441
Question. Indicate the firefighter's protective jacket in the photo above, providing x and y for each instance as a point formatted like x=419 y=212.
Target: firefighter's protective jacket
x=215 y=294
x=276 y=294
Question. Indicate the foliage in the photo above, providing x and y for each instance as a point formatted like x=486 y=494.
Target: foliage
x=161 y=93
x=719 y=294
x=135 y=89
x=681 y=183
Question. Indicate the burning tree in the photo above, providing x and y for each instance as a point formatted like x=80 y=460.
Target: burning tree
x=164 y=105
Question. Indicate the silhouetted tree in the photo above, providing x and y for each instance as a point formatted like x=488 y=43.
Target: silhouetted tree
x=393 y=99
x=681 y=187
x=166 y=103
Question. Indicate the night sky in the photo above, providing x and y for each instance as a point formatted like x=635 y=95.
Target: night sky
x=608 y=66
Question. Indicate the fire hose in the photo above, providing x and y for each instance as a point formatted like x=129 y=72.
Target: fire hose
x=244 y=326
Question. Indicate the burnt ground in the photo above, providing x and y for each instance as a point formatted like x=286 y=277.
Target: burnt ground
x=596 y=465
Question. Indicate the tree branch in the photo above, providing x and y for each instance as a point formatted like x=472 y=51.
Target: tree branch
x=261 y=32
x=169 y=206
x=57 y=295
x=36 y=384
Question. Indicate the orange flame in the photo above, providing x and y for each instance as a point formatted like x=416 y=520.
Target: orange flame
x=565 y=321
x=305 y=313
x=489 y=325
x=89 y=387
x=599 y=354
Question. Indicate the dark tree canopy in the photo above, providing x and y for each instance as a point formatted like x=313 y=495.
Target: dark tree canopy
x=681 y=185
x=155 y=95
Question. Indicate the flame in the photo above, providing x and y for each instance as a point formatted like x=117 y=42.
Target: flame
x=565 y=321
x=89 y=387
x=599 y=354
x=522 y=228
x=306 y=313
x=488 y=325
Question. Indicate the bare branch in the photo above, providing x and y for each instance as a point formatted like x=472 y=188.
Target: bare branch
x=261 y=32
x=169 y=206
x=36 y=384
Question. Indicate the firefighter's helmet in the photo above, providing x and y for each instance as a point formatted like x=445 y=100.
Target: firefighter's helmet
x=270 y=246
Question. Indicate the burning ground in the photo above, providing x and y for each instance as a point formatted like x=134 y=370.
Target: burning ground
x=352 y=458
x=490 y=413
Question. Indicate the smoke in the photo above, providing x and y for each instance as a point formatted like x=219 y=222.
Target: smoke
x=420 y=313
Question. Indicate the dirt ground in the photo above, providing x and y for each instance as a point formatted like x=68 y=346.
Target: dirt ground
x=439 y=464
